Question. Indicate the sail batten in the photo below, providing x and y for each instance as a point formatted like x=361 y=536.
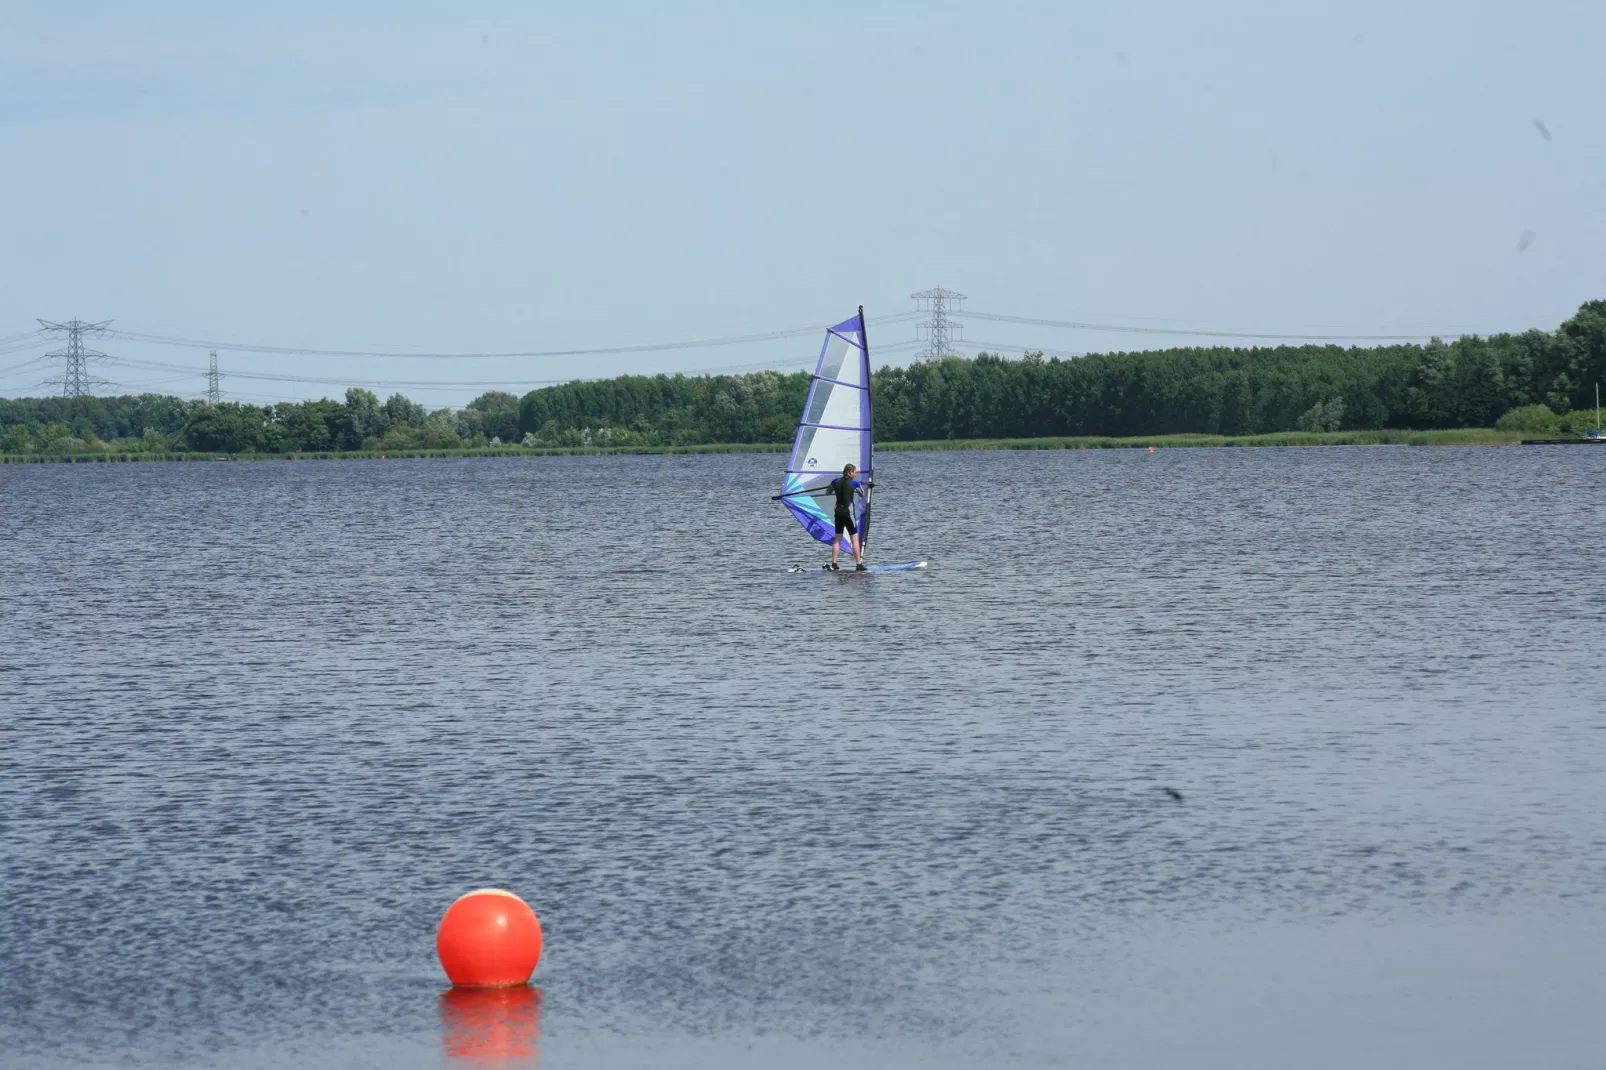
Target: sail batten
x=834 y=429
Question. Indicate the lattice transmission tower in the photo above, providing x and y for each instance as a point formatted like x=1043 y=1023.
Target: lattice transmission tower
x=214 y=393
x=75 y=381
x=938 y=332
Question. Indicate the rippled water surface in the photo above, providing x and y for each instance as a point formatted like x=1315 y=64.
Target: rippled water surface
x=263 y=722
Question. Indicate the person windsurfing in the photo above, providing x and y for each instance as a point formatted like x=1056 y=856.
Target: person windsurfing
x=844 y=487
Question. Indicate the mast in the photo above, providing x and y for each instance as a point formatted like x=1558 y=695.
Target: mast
x=869 y=400
x=869 y=448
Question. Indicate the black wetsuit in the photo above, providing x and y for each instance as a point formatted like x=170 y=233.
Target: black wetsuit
x=843 y=487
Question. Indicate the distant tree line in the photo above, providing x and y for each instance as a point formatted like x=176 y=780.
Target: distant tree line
x=1471 y=382
x=157 y=424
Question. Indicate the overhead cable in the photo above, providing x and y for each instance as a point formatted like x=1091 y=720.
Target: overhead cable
x=1190 y=333
x=648 y=347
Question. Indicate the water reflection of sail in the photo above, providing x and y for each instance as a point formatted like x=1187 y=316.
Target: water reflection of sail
x=491 y=1026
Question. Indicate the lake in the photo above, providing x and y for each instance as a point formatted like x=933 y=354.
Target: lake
x=263 y=722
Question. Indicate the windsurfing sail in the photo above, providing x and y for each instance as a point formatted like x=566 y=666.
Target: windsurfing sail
x=836 y=429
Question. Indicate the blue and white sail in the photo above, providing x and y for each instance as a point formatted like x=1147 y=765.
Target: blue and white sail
x=836 y=430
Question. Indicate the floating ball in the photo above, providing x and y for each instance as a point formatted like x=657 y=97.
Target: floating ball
x=489 y=939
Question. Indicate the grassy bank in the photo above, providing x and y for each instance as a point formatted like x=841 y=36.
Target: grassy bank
x=1464 y=436
x=1471 y=436
x=390 y=455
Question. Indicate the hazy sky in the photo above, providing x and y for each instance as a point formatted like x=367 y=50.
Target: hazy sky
x=519 y=176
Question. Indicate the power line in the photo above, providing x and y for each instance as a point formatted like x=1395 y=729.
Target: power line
x=1000 y=348
x=791 y=362
x=940 y=330
x=154 y=365
x=75 y=381
x=649 y=347
x=188 y=377
x=18 y=367
x=447 y=384
x=17 y=347
x=938 y=334
x=1294 y=335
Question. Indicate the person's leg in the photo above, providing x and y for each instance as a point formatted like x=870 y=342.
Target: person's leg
x=836 y=543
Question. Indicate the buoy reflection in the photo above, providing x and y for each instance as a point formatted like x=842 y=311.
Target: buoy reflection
x=492 y=1026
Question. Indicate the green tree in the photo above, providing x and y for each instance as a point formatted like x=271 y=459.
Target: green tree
x=1529 y=418
x=228 y=427
x=436 y=437
x=399 y=412
x=1577 y=359
x=362 y=418
x=45 y=441
x=1322 y=416
x=311 y=426
x=498 y=414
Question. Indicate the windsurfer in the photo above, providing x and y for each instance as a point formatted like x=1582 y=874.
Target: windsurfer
x=844 y=487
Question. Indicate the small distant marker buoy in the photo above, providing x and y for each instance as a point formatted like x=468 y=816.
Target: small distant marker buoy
x=1151 y=449
x=489 y=939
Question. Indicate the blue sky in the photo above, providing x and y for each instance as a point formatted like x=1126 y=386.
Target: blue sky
x=496 y=176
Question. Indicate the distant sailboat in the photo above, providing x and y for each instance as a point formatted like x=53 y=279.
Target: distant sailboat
x=837 y=429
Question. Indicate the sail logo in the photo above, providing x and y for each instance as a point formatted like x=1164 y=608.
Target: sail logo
x=812 y=462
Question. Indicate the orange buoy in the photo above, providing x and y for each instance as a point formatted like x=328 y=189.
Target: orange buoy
x=489 y=939
x=1151 y=449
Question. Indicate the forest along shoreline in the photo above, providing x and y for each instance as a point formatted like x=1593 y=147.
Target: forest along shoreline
x=1504 y=388
x=1471 y=436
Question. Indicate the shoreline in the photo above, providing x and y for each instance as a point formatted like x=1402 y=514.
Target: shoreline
x=1470 y=436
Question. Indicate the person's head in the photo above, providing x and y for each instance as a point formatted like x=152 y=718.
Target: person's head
x=849 y=469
